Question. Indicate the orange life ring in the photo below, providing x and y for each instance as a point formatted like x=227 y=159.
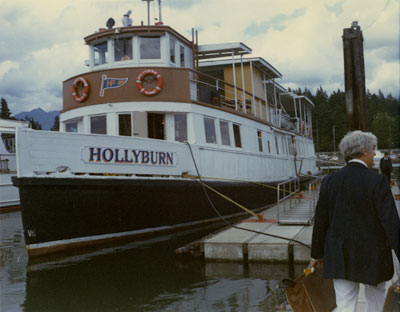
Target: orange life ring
x=75 y=86
x=156 y=89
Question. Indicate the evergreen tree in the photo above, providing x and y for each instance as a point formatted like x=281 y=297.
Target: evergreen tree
x=337 y=102
x=34 y=124
x=56 y=125
x=322 y=121
x=5 y=111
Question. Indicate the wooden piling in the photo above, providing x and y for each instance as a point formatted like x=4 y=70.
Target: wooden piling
x=354 y=76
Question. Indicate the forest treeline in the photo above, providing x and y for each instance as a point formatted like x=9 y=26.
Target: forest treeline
x=329 y=118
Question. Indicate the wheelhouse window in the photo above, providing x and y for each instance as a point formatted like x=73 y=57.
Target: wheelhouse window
x=123 y=49
x=236 y=134
x=98 y=124
x=125 y=124
x=180 y=123
x=260 y=143
x=224 y=127
x=182 y=55
x=100 y=53
x=9 y=141
x=172 y=50
x=209 y=127
x=150 y=47
x=71 y=126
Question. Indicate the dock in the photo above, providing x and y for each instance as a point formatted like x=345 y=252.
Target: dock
x=237 y=245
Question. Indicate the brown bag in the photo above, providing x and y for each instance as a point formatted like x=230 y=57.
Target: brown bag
x=312 y=293
x=392 y=302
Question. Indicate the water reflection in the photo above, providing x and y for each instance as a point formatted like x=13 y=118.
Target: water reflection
x=140 y=276
x=148 y=276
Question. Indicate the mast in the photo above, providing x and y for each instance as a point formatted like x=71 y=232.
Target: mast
x=148 y=11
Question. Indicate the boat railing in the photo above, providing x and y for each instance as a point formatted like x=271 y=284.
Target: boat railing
x=214 y=91
x=287 y=195
x=217 y=92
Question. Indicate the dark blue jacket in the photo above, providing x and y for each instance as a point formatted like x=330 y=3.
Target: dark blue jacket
x=356 y=225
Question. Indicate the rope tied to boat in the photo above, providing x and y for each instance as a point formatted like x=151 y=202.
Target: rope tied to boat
x=204 y=186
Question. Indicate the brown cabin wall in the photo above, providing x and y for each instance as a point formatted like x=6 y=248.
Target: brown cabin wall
x=257 y=79
x=176 y=87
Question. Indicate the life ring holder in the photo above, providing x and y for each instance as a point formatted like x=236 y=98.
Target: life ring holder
x=156 y=89
x=75 y=86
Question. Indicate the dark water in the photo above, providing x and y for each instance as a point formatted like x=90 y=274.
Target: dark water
x=140 y=276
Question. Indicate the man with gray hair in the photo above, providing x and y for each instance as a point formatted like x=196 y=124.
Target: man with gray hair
x=356 y=226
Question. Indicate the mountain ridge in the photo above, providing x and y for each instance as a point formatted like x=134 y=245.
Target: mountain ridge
x=45 y=119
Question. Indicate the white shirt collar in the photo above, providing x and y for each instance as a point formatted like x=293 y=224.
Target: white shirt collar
x=358 y=161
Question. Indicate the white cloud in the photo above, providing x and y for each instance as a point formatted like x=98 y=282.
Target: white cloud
x=6 y=66
x=42 y=41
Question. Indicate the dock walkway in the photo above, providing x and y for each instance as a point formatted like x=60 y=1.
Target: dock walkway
x=292 y=222
x=236 y=245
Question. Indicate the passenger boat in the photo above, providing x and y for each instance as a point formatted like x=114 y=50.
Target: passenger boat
x=152 y=107
x=9 y=197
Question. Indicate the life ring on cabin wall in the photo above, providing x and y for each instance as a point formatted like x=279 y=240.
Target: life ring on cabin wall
x=80 y=89
x=155 y=75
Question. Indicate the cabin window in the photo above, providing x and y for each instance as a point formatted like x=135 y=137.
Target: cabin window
x=209 y=127
x=9 y=141
x=71 y=126
x=224 y=127
x=182 y=55
x=100 y=53
x=155 y=126
x=283 y=145
x=236 y=135
x=260 y=144
x=172 y=50
x=98 y=124
x=289 y=142
x=125 y=124
x=123 y=49
x=150 y=48
x=276 y=145
x=180 y=128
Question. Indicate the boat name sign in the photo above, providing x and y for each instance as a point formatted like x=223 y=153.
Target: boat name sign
x=113 y=155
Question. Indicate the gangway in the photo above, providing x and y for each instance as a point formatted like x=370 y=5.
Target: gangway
x=296 y=207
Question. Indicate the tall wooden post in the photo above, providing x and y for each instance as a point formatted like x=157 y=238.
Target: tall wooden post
x=354 y=77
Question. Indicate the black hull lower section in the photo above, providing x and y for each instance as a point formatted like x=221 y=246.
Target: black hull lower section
x=58 y=213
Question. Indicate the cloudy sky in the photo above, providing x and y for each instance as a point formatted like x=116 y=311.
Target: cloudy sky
x=41 y=41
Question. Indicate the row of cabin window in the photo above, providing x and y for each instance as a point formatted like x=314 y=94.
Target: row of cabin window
x=155 y=126
x=149 y=48
x=287 y=147
x=156 y=130
x=210 y=135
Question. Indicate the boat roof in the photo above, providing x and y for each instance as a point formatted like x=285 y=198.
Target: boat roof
x=207 y=51
x=140 y=30
x=259 y=62
x=10 y=124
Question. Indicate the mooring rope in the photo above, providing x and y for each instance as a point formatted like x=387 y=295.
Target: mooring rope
x=246 y=209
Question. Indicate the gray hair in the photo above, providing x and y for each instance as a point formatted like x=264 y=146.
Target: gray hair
x=354 y=142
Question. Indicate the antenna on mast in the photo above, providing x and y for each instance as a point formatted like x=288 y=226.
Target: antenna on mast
x=148 y=11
